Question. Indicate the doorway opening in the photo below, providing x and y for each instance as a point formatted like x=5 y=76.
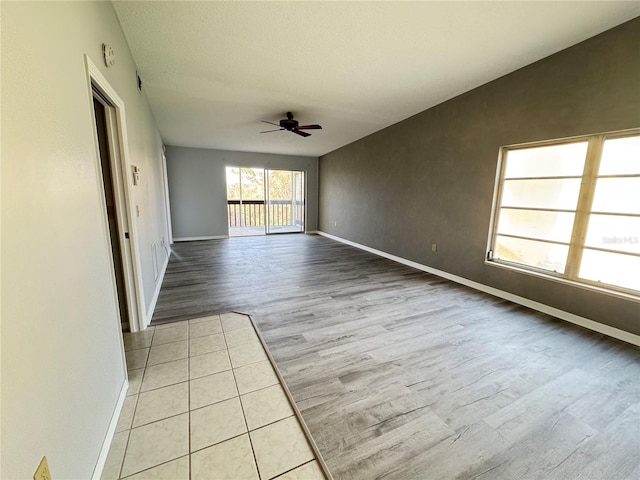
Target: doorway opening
x=103 y=111
x=263 y=201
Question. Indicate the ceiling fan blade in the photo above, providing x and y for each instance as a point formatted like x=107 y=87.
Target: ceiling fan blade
x=270 y=123
x=309 y=127
x=276 y=130
x=302 y=134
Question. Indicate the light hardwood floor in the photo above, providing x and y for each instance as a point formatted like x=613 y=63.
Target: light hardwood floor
x=403 y=375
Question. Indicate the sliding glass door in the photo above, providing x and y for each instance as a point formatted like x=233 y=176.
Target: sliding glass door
x=245 y=201
x=285 y=201
x=265 y=201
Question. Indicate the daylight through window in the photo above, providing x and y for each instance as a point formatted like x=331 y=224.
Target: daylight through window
x=571 y=209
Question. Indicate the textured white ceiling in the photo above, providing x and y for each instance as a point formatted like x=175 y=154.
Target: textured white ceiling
x=213 y=70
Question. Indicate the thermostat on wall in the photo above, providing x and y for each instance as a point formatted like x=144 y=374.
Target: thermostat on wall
x=109 y=55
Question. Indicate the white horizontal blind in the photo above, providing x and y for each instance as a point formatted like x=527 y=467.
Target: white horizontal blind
x=571 y=209
x=612 y=243
x=540 y=191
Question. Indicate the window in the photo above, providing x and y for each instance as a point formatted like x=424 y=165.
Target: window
x=571 y=210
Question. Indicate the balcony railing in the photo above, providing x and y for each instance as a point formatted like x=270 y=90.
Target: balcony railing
x=251 y=213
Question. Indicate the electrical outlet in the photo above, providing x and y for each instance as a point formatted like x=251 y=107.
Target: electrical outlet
x=335 y=224
x=42 y=473
x=434 y=247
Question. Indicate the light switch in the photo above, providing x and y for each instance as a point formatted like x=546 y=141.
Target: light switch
x=136 y=174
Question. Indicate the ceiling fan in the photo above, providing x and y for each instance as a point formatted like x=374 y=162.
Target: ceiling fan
x=291 y=125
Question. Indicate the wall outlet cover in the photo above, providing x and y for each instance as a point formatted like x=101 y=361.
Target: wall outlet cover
x=42 y=472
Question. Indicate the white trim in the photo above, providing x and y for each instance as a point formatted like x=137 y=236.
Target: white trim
x=156 y=294
x=497 y=192
x=106 y=445
x=267 y=199
x=540 y=307
x=305 y=211
x=165 y=184
x=122 y=183
x=554 y=278
x=195 y=239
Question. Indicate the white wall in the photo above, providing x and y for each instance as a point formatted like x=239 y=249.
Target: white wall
x=197 y=187
x=62 y=363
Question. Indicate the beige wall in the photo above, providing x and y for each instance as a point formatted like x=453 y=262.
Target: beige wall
x=430 y=179
x=62 y=363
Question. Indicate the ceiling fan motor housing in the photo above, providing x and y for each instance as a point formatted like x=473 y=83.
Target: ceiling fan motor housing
x=289 y=123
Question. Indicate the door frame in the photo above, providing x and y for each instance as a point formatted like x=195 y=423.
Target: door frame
x=125 y=209
x=267 y=221
x=165 y=183
x=304 y=196
x=226 y=183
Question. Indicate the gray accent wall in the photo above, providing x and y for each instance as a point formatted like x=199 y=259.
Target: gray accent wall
x=430 y=178
x=198 y=187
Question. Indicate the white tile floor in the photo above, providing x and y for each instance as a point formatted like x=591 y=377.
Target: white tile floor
x=205 y=403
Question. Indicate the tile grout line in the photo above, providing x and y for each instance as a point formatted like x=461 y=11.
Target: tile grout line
x=163 y=418
x=188 y=382
x=297 y=414
x=168 y=384
x=261 y=388
x=289 y=400
x=220 y=442
x=292 y=469
x=152 y=467
x=144 y=371
x=272 y=423
x=253 y=452
x=230 y=438
x=189 y=391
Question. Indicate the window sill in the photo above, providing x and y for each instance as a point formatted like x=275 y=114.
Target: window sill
x=547 y=276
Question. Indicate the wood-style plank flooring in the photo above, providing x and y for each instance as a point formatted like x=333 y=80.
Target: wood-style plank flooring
x=403 y=375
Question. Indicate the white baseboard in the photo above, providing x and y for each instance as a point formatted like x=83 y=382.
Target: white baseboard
x=156 y=294
x=540 y=307
x=106 y=445
x=195 y=239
